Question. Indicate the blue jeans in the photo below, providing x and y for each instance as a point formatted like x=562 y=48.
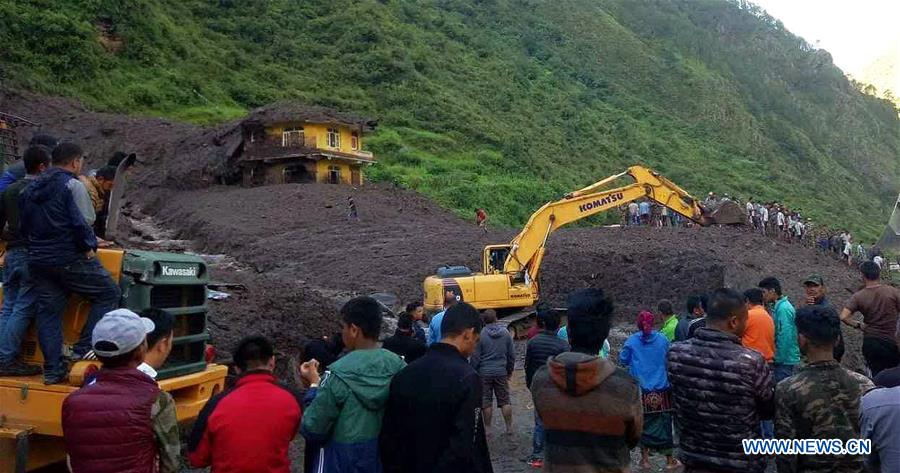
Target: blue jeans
x=85 y=277
x=782 y=372
x=19 y=302
x=537 y=440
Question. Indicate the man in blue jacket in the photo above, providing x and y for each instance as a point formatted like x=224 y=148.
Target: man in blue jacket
x=62 y=256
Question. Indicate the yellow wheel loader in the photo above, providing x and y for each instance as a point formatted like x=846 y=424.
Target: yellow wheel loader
x=509 y=280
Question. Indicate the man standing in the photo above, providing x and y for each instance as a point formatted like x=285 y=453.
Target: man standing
x=494 y=360
x=712 y=374
x=814 y=287
x=543 y=346
x=434 y=327
x=821 y=401
x=645 y=212
x=591 y=408
x=122 y=421
x=404 y=342
x=760 y=332
x=880 y=423
x=19 y=295
x=879 y=304
x=670 y=320
x=787 y=353
x=634 y=213
x=250 y=426
x=62 y=255
x=417 y=312
x=432 y=423
x=696 y=312
x=345 y=411
x=159 y=341
x=16 y=170
x=352 y=212
x=481 y=218
x=99 y=187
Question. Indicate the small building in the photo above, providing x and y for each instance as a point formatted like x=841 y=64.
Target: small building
x=289 y=142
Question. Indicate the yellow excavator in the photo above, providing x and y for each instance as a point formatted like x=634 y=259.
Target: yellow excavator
x=509 y=280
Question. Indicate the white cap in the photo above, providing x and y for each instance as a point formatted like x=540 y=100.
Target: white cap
x=120 y=332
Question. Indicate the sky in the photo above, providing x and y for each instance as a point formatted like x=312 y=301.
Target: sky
x=855 y=32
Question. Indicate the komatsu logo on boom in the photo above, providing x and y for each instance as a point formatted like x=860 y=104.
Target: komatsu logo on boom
x=190 y=271
x=612 y=198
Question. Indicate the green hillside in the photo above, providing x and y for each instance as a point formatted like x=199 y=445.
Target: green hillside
x=496 y=103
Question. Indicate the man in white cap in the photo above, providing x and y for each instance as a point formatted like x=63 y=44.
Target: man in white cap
x=122 y=422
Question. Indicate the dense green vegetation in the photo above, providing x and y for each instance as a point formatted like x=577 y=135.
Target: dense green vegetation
x=496 y=103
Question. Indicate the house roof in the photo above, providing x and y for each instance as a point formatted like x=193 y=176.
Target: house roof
x=296 y=111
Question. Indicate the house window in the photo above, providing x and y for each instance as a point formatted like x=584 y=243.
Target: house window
x=334 y=174
x=354 y=141
x=292 y=137
x=334 y=138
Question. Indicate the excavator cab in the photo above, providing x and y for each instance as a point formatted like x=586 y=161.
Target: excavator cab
x=495 y=258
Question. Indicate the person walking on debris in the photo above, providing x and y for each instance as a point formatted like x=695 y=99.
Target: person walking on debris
x=123 y=421
x=879 y=304
x=481 y=218
x=344 y=413
x=432 y=422
x=250 y=426
x=19 y=294
x=590 y=408
x=62 y=255
x=822 y=399
x=787 y=352
x=404 y=342
x=494 y=360
x=711 y=374
x=352 y=213
x=543 y=346
x=634 y=213
x=644 y=354
x=695 y=311
x=816 y=294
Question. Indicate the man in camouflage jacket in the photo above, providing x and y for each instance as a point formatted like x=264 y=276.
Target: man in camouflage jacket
x=720 y=391
x=822 y=400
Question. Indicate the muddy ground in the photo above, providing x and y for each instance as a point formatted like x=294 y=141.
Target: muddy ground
x=296 y=256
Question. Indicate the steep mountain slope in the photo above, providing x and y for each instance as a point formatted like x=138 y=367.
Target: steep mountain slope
x=496 y=103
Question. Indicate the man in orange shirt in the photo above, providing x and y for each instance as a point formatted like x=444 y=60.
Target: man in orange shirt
x=760 y=336
x=760 y=332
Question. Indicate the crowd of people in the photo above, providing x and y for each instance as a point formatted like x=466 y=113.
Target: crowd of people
x=691 y=387
x=50 y=215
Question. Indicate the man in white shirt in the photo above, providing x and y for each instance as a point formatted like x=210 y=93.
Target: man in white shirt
x=159 y=341
x=763 y=218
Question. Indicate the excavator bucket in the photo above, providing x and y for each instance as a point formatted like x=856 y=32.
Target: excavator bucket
x=726 y=212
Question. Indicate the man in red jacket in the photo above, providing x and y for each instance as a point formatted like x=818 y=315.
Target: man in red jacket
x=248 y=427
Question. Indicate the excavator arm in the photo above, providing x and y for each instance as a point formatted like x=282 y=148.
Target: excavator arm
x=527 y=248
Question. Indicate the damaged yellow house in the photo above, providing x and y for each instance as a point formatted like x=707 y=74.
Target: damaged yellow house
x=287 y=142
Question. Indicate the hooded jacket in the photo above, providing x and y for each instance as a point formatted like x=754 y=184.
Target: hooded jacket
x=645 y=358
x=51 y=222
x=712 y=374
x=591 y=411
x=344 y=413
x=433 y=419
x=494 y=355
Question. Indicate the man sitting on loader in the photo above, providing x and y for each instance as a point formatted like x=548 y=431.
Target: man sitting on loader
x=62 y=256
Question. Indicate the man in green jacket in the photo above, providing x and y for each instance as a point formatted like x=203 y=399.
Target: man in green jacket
x=344 y=411
x=787 y=351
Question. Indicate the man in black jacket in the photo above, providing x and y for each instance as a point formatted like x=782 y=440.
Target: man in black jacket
x=543 y=346
x=432 y=422
x=404 y=342
x=712 y=373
